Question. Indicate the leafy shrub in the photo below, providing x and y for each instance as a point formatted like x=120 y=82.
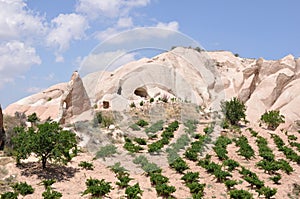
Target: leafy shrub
x=9 y=195
x=179 y=165
x=240 y=194
x=48 y=182
x=234 y=110
x=132 y=105
x=268 y=166
x=165 y=98
x=151 y=100
x=140 y=141
x=157 y=179
x=209 y=129
x=142 y=123
x=117 y=168
x=86 y=165
x=106 y=151
x=285 y=166
x=245 y=149
x=292 y=137
x=191 y=154
x=124 y=179
x=267 y=192
x=276 y=178
x=146 y=165
x=272 y=119
x=196 y=188
x=23 y=188
x=141 y=103
x=164 y=190
x=158 y=126
x=135 y=127
x=97 y=188
x=51 y=194
x=231 y=164
x=190 y=177
x=221 y=175
x=230 y=183
x=131 y=147
x=134 y=192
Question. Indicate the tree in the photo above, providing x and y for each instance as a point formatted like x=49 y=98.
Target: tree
x=49 y=142
x=33 y=118
x=234 y=110
x=272 y=119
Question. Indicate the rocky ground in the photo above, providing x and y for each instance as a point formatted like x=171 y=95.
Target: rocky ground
x=71 y=178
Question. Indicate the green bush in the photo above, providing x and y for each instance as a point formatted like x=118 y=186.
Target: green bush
x=158 y=126
x=131 y=147
x=157 y=179
x=23 y=188
x=141 y=103
x=9 y=195
x=51 y=194
x=164 y=190
x=276 y=178
x=234 y=111
x=191 y=154
x=151 y=100
x=267 y=192
x=231 y=164
x=97 y=188
x=132 y=105
x=140 y=141
x=117 y=168
x=135 y=127
x=142 y=123
x=190 y=177
x=48 y=183
x=240 y=194
x=230 y=183
x=86 y=165
x=179 y=165
x=124 y=179
x=272 y=119
x=106 y=151
x=134 y=192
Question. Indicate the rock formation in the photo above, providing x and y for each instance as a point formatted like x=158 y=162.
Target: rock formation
x=204 y=78
x=2 y=132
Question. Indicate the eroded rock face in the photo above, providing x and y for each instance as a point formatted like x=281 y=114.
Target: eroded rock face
x=75 y=100
x=2 y=132
x=185 y=74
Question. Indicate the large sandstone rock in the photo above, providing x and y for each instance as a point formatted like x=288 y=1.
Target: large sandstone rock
x=2 y=132
x=203 y=78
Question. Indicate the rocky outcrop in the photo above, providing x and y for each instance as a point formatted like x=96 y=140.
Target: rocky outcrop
x=203 y=78
x=2 y=132
x=75 y=100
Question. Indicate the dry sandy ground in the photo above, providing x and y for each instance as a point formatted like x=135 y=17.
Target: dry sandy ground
x=71 y=179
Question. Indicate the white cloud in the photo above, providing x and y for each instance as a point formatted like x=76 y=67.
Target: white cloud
x=117 y=36
x=16 y=58
x=105 y=61
x=16 y=21
x=65 y=28
x=125 y=22
x=108 y=8
x=173 y=25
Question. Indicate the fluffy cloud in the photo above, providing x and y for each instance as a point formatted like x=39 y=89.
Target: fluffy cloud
x=16 y=21
x=16 y=58
x=65 y=28
x=116 y=35
x=108 y=8
x=106 y=61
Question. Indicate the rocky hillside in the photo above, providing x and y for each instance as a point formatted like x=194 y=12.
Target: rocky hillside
x=204 y=78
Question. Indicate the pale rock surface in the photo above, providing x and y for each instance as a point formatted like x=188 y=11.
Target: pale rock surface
x=204 y=78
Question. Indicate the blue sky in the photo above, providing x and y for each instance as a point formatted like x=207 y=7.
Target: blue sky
x=43 y=42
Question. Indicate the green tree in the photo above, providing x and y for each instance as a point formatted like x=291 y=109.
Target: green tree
x=234 y=110
x=49 y=142
x=33 y=118
x=272 y=119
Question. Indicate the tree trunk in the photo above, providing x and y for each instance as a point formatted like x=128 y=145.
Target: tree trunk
x=44 y=161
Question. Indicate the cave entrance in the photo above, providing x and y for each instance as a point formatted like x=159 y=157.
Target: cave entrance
x=142 y=92
x=105 y=104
